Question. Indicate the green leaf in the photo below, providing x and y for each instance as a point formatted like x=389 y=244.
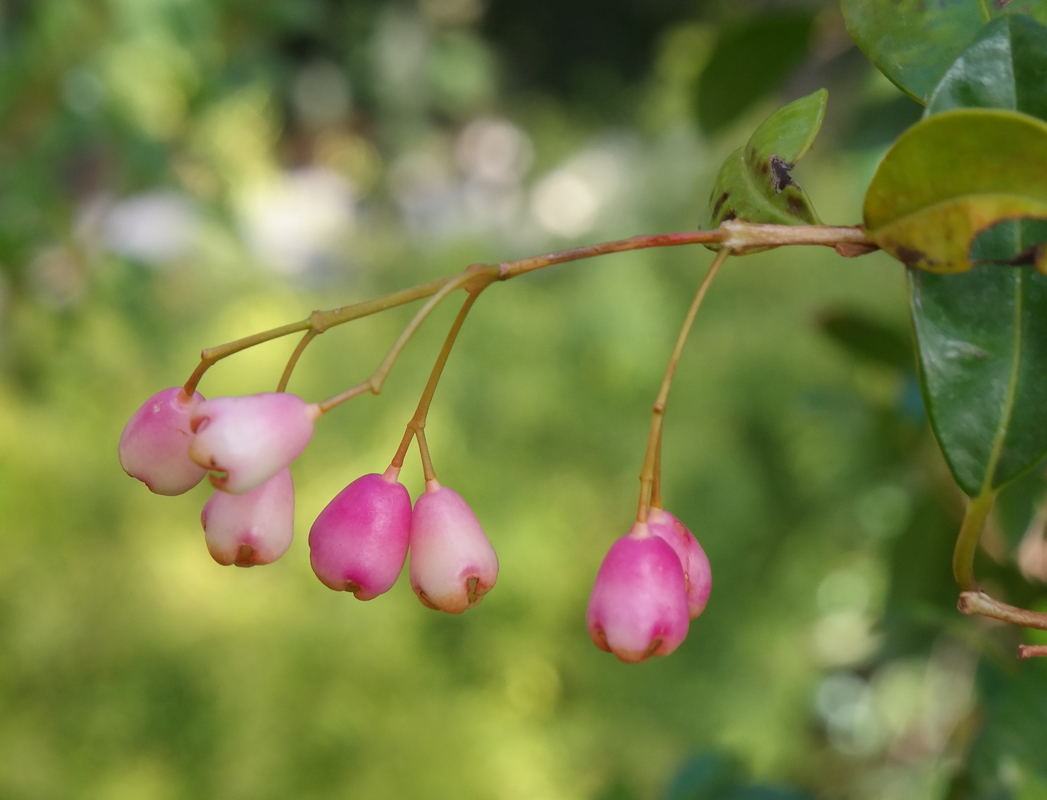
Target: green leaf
x=982 y=340
x=913 y=42
x=981 y=336
x=748 y=61
x=754 y=182
x=1005 y=67
x=952 y=176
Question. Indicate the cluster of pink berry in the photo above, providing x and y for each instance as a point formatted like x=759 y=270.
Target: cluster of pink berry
x=652 y=582
x=359 y=542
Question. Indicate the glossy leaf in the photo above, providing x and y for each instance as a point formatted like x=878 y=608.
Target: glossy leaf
x=982 y=349
x=982 y=336
x=952 y=176
x=754 y=183
x=914 y=42
x=1005 y=67
x=748 y=61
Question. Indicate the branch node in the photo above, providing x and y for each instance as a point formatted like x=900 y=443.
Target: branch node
x=1032 y=650
x=316 y=321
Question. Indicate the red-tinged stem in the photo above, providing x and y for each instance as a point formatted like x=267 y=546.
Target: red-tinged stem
x=736 y=236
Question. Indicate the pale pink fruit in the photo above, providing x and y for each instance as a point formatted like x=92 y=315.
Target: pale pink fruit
x=359 y=542
x=638 y=607
x=247 y=440
x=154 y=446
x=453 y=565
x=252 y=528
x=696 y=570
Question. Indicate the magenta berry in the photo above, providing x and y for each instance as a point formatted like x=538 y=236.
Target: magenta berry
x=251 y=528
x=453 y=565
x=154 y=446
x=359 y=542
x=696 y=570
x=638 y=607
x=247 y=440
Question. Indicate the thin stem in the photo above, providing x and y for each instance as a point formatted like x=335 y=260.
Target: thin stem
x=1032 y=650
x=735 y=235
x=656 y=487
x=427 y=462
x=658 y=414
x=303 y=343
x=979 y=603
x=510 y=269
x=417 y=423
x=377 y=379
x=978 y=509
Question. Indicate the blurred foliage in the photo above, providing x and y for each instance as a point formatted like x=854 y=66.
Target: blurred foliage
x=177 y=173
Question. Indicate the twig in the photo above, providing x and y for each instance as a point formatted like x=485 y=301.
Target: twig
x=980 y=604
x=736 y=236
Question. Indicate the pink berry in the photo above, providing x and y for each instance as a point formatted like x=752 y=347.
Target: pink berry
x=154 y=446
x=250 y=439
x=696 y=570
x=359 y=542
x=638 y=607
x=452 y=563
x=252 y=528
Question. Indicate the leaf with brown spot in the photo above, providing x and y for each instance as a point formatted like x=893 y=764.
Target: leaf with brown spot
x=755 y=183
x=952 y=176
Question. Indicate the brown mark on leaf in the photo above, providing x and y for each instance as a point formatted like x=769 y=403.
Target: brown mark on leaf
x=796 y=204
x=998 y=4
x=1026 y=258
x=719 y=203
x=761 y=166
x=780 y=173
x=729 y=216
x=912 y=257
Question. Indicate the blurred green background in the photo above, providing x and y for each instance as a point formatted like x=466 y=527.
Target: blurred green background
x=178 y=173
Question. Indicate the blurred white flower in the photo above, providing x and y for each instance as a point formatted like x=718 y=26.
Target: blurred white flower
x=845 y=703
x=295 y=222
x=567 y=202
x=493 y=151
x=154 y=227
